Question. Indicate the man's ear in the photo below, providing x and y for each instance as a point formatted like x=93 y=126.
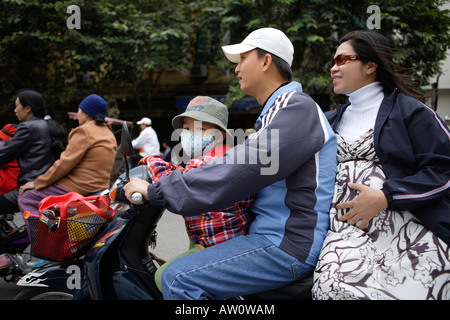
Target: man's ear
x=267 y=61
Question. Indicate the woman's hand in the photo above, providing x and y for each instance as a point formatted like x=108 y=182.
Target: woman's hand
x=136 y=185
x=364 y=207
x=27 y=186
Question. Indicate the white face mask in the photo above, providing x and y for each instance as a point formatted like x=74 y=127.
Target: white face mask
x=195 y=146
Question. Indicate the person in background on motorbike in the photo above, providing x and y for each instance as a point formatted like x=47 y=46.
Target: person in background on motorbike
x=8 y=175
x=36 y=145
x=10 y=171
x=84 y=166
x=204 y=131
x=290 y=161
x=147 y=142
x=167 y=150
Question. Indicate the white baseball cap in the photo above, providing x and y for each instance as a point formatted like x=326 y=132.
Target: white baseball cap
x=269 y=39
x=145 y=120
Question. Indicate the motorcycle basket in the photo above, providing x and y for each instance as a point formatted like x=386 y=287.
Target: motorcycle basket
x=60 y=238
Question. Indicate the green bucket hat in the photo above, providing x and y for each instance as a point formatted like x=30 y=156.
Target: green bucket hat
x=206 y=109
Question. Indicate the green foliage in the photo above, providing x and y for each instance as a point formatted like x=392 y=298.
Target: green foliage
x=419 y=31
x=122 y=43
x=119 y=43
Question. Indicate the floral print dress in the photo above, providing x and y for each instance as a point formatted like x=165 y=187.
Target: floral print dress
x=394 y=257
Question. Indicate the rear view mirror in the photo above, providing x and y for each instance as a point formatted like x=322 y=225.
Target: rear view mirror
x=125 y=141
x=126 y=147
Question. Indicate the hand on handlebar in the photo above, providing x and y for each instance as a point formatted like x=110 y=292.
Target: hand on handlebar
x=136 y=186
x=137 y=198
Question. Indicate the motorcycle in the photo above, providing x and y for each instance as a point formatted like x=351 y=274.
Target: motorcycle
x=14 y=242
x=119 y=265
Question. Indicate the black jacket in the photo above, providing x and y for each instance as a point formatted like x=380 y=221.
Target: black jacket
x=413 y=145
x=32 y=147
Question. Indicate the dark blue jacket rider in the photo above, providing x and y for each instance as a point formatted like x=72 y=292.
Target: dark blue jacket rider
x=413 y=145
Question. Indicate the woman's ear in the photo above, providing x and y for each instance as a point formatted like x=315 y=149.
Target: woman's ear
x=29 y=111
x=371 y=68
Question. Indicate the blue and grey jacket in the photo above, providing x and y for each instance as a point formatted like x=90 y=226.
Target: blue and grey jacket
x=413 y=145
x=289 y=162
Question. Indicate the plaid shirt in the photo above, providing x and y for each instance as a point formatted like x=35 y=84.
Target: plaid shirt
x=212 y=227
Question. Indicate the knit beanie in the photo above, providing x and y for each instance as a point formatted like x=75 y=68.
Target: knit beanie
x=95 y=106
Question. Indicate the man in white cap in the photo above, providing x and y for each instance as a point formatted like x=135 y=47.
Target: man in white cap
x=292 y=202
x=147 y=142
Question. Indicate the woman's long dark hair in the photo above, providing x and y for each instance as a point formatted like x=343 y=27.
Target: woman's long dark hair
x=372 y=46
x=57 y=132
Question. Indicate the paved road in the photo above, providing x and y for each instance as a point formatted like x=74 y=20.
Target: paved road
x=8 y=290
x=172 y=240
x=172 y=237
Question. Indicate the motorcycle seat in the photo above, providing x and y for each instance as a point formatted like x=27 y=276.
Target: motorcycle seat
x=297 y=290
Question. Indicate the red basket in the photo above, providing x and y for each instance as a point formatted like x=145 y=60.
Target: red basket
x=56 y=237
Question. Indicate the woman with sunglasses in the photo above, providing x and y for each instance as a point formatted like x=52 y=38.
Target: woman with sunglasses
x=390 y=218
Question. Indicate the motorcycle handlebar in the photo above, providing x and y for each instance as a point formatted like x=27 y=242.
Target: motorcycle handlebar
x=136 y=198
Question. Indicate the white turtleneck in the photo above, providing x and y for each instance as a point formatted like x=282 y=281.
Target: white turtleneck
x=360 y=115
